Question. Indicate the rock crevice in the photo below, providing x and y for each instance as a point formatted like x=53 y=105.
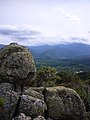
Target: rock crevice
x=16 y=112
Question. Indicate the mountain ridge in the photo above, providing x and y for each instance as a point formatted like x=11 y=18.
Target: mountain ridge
x=59 y=51
x=62 y=51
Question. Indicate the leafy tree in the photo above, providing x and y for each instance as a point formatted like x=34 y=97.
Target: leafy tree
x=47 y=76
x=68 y=77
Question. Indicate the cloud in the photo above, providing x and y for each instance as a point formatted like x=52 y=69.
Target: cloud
x=72 y=18
x=16 y=30
x=68 y=15
x=24 y=35
x=18 y=33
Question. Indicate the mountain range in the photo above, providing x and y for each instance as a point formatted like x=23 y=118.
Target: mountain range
x=60 y=51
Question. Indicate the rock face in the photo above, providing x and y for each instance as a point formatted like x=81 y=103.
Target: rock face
x=16 y=65
x=57 y=103
x=15 y=103
x=32 y=106
x=64 y=104
x=10 y=99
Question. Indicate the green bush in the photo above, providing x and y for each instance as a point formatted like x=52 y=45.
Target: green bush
x=1 y=102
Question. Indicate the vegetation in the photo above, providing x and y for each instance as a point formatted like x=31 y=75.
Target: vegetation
x=47 y=76
x=80 y=82
x=1 y=102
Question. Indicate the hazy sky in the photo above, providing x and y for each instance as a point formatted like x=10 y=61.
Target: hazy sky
x=32 y=22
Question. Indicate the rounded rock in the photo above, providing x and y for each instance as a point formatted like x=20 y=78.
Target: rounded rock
x=16 y=65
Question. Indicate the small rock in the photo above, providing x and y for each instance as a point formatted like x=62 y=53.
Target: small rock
x=39 y=118
x=22 y=116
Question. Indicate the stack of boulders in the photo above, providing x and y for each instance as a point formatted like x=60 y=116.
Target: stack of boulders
x=21 y=101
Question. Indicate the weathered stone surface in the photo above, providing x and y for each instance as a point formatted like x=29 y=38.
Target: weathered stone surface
x=4 y=87
x=88 y=115
x=34 y=93
x=38 y=89
x=32 y=106
x=10 y=99
x=64 y=104
x=16 y=65
x=39 y=118
x=22 y=116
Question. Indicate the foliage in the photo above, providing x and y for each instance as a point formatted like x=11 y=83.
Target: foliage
x=84 y=93
x=47 y=76
x=68 y=77
x=1 y=102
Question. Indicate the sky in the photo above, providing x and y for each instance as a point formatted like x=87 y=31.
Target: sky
x=38 y=22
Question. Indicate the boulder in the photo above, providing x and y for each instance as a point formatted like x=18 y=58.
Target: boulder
x=16 y=65
x=10 y=100
x=22 y=116
x=32 y=106
x=64 y=104
x=54 y=103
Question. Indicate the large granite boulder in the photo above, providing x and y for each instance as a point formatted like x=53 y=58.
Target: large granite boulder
x=16 y=65
x=64 y=104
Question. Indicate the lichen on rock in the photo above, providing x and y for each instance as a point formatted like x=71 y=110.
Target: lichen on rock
x=16 y=65
x=64 y=104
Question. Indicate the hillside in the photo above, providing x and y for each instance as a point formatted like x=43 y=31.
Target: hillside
x=75 y=56
x=61 y=51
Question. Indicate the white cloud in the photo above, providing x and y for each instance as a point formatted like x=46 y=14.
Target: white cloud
x=10 y=27
x=67 y=15
x=26 y=36
x=73 y=18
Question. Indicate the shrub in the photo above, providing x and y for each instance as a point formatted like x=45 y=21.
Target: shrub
x=1 y=102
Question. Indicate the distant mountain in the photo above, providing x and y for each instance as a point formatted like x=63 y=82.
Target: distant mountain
x=39 y=50
x=1 y=45
x=61 y=51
